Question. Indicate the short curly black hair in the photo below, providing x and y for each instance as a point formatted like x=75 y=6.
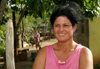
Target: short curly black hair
x=69 y=9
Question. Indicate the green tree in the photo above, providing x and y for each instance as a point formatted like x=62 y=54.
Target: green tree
x=2 y=8
x=38 y=8
x=90 y=8
x=2 y=39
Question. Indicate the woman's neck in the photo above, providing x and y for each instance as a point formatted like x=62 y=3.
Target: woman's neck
x=66 y=46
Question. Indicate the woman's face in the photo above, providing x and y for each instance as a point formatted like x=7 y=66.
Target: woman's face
x=63 y=29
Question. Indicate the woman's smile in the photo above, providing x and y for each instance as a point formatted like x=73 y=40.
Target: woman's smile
x=61 y=34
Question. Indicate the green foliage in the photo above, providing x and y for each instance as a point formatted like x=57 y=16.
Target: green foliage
x=0 y=2
x=5 y=19
x=7 y=15
x=98 y=66
x=90 y=8
x=33 y=55
x=34 y=7
x=42 y=8
x=29 y=68
x=46 y=22
x=31 y=23
x=2 y=39
x=37 y=23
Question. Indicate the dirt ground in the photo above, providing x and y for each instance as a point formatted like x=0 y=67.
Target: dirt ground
x=28 y=63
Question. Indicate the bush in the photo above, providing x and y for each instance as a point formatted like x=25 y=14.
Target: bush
x=33 y=55
x=98 y=66
x=29 y=68
x=2 y=39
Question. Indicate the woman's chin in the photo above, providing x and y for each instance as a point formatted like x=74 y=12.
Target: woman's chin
x=61 y=40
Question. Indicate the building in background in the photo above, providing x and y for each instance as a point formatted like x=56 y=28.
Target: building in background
x=88 y=34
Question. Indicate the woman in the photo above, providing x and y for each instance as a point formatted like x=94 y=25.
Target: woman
x=36 y=38
x=66 y=53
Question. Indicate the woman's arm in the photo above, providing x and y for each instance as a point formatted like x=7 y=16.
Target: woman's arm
x=38 y=35
x=86 y=59
x=34 y=36
x=40 y=59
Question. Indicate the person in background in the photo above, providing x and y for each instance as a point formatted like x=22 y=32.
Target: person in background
x=36 y=38
x=66 y=53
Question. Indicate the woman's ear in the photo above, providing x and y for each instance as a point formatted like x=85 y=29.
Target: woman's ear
x=75 y=27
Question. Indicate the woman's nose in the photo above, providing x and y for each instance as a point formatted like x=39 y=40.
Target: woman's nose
x=61 y=29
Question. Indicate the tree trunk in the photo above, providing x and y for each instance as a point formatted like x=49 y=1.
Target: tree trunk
x=22 y=33
x=21 y=17
x=50 y=34
x=16 y=29
x=14 y=25
x=2 y=8
x=10 y=45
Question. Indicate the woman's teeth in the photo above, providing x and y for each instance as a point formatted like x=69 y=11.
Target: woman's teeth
x=61 y=34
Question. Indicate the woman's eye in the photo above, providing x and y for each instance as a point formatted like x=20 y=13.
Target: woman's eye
x=65 y=25
x=56 y=25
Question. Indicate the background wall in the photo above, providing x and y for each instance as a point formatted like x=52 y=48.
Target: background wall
x=94 y=38
x=81 y=35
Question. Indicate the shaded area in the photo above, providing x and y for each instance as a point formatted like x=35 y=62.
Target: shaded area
x=24 y=64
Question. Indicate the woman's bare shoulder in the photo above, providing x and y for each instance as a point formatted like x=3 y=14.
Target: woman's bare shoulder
x=40 y=59
x=42 y=51
x=86 y=58
x=86 y=52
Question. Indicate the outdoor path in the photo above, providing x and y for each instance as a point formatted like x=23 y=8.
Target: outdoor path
x=28 y=63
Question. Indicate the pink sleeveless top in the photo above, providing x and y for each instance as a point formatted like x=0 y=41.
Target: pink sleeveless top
x=52 y=62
